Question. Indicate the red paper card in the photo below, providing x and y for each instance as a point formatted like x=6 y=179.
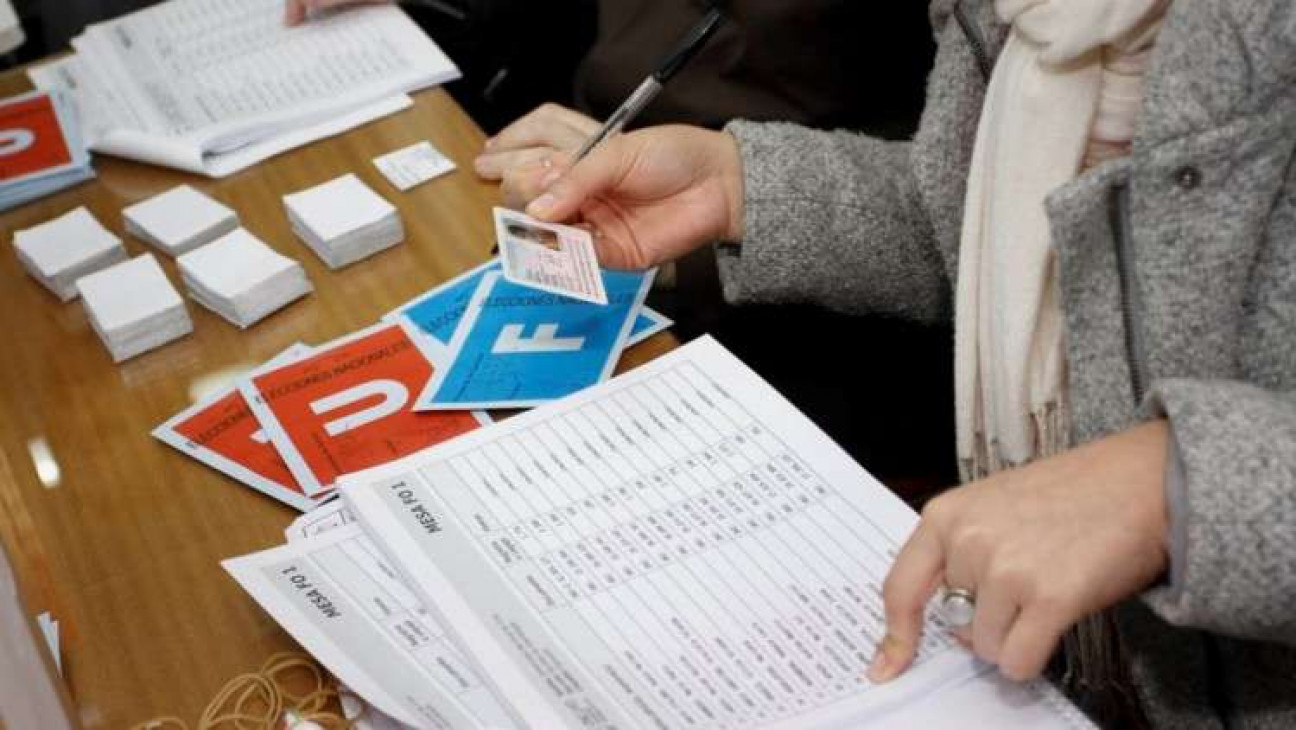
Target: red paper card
x=31 y=139
x=349 y=406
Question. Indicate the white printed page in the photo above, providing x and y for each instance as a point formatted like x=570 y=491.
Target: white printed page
x=225 y=73
x=112 y=127
x=676 y=548
x=338 y=596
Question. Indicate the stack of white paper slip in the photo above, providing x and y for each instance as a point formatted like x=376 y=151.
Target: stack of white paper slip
x=179 y=220
x=134 y=308
x=59 y=252
x=242 y=279
x=344 y=221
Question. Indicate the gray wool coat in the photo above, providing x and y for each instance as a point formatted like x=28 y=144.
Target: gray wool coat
x=1178 y=277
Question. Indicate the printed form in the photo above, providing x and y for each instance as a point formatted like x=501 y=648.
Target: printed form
x=679 y=547
x=339 y=597
x=212 y=85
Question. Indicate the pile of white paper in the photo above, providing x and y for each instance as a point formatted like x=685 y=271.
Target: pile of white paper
x=344 y=221
x=179 y=220
x=242 y=279
x=60 y=251
x=134 y=308
x=214 y=86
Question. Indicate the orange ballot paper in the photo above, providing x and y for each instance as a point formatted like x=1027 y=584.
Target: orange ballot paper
x=349 y=406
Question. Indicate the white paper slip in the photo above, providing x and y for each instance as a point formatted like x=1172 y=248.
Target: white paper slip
x=414 y=165
x=60 y=251
x=338 y=596
x=331 y=515
x=50 y=630
x=133 y=307
x=338 y=207
x=557 y=259
x=344 y=220
x=179 y=220
x=678 y=547
x=242 y=279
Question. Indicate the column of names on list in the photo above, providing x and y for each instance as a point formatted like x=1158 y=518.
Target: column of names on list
x=676 y=543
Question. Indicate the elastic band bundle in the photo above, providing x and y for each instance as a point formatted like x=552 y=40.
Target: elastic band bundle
x=262 y=700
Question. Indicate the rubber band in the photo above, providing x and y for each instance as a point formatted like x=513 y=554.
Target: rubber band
x=264 y=700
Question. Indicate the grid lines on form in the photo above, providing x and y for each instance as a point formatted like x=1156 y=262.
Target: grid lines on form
x=665 y=529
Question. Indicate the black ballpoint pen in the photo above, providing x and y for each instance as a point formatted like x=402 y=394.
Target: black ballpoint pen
x=652 y=86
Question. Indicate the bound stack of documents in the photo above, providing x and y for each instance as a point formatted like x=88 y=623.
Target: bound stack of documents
x=677 y=548
x=179 y=220
x=242 y=279
x=344 y=221
x=59 y=252
x=134 y=308
x=213 y=86
x=41 y=148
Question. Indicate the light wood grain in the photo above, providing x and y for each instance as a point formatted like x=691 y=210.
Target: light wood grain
x=125 y=548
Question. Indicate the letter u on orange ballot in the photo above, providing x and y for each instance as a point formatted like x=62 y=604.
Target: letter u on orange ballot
x=349 y=406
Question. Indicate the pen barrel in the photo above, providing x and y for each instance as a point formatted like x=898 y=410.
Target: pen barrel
x=641 y=98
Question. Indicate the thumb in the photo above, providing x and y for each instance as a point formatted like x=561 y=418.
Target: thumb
x=597 y=174
x=908 y=587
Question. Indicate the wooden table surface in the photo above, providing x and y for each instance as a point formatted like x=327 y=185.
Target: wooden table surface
x=120 y=536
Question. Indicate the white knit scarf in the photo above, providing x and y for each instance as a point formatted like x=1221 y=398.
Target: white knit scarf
x=1010 y=368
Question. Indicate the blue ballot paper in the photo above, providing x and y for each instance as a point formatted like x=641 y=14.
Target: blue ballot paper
x=436 y=314
x=516 y=347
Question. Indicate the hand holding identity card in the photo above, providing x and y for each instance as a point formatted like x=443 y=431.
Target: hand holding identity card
x=552 y=258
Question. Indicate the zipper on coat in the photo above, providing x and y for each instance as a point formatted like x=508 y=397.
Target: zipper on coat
x=976 y=39
x=1130 y=295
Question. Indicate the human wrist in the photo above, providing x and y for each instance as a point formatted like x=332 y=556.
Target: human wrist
x=734 y=188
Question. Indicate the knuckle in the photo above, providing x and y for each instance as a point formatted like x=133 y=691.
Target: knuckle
x=972 y=540
x=937 y=510
x=1010 y=574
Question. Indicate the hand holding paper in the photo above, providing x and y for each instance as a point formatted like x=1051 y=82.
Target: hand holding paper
x=652 y=196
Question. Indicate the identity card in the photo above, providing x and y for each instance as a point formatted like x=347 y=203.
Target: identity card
x=552 y=258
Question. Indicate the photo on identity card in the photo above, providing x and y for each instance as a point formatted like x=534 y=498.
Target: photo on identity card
x=349 y=406
x=557 y=259
x=221 y=432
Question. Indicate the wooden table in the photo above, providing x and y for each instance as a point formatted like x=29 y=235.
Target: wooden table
x=118 y=535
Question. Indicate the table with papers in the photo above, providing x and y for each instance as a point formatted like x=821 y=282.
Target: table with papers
x=120 y=536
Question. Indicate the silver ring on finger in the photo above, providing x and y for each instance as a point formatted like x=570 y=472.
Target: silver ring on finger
x=958 y=607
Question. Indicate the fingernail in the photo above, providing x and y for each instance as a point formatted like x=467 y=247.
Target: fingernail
x=880 y=670
x=541 y=205
x=481 y=165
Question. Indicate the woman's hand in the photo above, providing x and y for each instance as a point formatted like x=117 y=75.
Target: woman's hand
x=549 y=129
x=296 y=11
x=650 y=196
x=1039 y=547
